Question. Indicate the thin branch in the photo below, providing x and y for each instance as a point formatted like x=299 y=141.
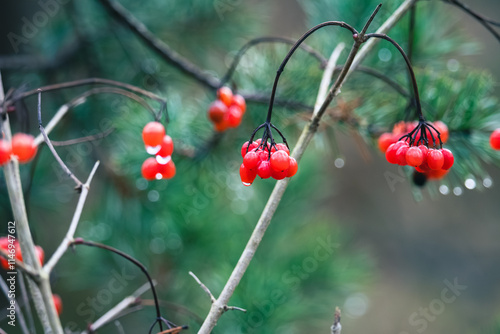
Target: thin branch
x=69 y=238
x=353 y=61
x=256 y=41
x=115 y=312
x=203 y=286
x=19 y=313
x=27 y=305
x=161 y=48
x=51 y=147
x=21 y=265
x=85 y=139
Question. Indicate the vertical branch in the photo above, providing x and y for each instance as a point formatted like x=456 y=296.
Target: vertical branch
x=353 y=61
x=41 y=292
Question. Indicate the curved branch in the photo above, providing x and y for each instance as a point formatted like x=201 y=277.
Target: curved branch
x=253 y=42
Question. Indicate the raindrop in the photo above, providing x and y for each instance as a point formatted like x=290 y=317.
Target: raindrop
x=487 y=182
x=153 y=149
x=457 y=191
x=470 y=184
x=163 y=160
x=444 y=189
x=339 y=162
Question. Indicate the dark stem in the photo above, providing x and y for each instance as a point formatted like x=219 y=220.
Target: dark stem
x=256 y=41
x=137 y=27
x=85 y=139
x=481 y=19
x=293 y=49
x=80 y=241
x=410 y=70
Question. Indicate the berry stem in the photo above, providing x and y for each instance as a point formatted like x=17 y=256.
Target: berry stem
x=256 y=41
x=410 y=70
x=159 y=318
x=293 y=49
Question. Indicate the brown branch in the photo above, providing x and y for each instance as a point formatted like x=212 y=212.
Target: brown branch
x=123 y=16
x=83 y=139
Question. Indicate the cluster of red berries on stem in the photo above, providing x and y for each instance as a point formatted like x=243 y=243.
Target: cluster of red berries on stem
x=228 y=110
x=495 y=139
x=22 y=147
x=421 y=148
x=159 y=144
x=266 y=158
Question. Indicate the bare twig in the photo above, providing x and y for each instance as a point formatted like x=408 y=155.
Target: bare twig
x=51 y=147
x=336 y=327
x=85 y=139
x=353 y=61
x=203 y=286
x=69 y=238
x=19 y=313
x=41 y=293
x=115 y=312
x=21 y=265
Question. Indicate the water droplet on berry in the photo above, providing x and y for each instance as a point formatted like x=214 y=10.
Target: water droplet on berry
x=487 y=182
x=153 y=149
x=339 y=163
x=153 y=196
x=163 y=160
x=444 y=189
x=457 y=191
x=470 y=184
x=159 y=176
x=246 y=184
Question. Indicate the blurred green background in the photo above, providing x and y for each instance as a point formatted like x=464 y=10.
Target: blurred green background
x=345 y=237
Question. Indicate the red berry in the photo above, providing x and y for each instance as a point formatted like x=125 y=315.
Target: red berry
x=225 y=94
x=166 y=171
x=222 y=125
x=247 y=175
x=390 y=154
x=239 y=101
x=57 y=303
x=244 y=148
x=279 y=175
x=264 y=169
x=443 y=130
x=150 y=169
x=234 y=115
x=263 y=155
x=251 y=160
x=216 y=111
x=283 y=147
x=40 y=254
x=385 y=140
x=153 y=134
x=5 y=152
x=4 y=245
x=167 y=147
x=401 y=155
x=258 y=141
x=23 y=146
x=292 y=170
x=414 y=156
x=495 y=139
x=435 y=159
x=424 y=150
x=448 y=159
x=279 y=161
x=400 y=128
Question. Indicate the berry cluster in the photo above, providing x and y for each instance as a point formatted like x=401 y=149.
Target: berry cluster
x=12 y=247
x=266 y=160
x=413 y=148
x=403 y=128
x=495 y=139
x=22 y=147
x=227 y=111
x=161 y=146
